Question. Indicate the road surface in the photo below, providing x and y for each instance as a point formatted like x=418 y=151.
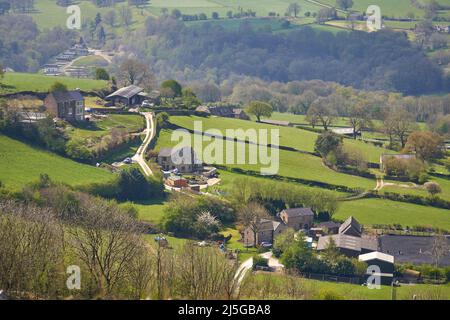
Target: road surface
x=139 y=157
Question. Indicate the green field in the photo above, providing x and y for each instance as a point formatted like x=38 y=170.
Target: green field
x=350 y=291
x=389 y=8
x=380 y=211
x=151 y=211
x=289 y=137
x=261 y=7
x=49 y=15
x=17 y=82
x=21 y=164
x=275 y=25
x=291 y=164
x=91 y=61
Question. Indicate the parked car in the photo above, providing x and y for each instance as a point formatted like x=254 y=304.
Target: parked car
x=147 y=104
x=266 y=245
x=127 y=161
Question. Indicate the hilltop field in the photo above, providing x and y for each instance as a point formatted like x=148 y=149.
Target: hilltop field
x=48 y=14
x=309 y=167
x=16 y=82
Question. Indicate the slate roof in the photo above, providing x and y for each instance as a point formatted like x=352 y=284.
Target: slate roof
x=329 y=224
x=350 y=226
x=348 y=242
x=183 y=155
x=126 y=92
x=412 y=249
x=220 y=111
x=64 y=96
x=269 y=225
x=297 y=212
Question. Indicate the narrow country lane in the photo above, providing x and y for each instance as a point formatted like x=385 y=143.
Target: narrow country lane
x=150 y=131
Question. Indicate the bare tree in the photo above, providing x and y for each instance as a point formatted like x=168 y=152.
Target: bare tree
x=321 y=109
x=204 y=273
x=132 y=71
x=440 y=248
x=105 y=240
x=30 y=251
x=251 y=216
x=126 y=16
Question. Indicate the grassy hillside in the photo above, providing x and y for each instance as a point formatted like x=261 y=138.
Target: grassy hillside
x=350 y=291
x=21 y=164
x=16 y=82
x=48 y=14
x=389 y=8
x=377 y=211
x=291 y=164
x=289 y=137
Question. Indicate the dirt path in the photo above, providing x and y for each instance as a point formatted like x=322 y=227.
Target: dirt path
x=150 y=131
x=381 y=184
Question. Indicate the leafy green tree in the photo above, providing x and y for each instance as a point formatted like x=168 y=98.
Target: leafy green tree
x=162 y=119
x=327 y=142
x=77 y=149
x=190 y=99
x=344 y=4
x=300 y=257
x=101 y=74
x=293 y=9
x=259 y=109
x=176 y=14
x=283 y=241
x=2 y=72
x=58 y=87
x=173 y=85
x=133 y=185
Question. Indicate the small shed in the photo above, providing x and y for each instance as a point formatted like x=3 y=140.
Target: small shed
x=385 y=263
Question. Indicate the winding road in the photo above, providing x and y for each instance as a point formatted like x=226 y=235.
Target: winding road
x=150 y=131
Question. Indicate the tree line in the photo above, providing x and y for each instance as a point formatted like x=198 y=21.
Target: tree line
x=378 y=60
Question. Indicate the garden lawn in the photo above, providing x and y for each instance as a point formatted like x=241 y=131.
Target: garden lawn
x=100 y=128
x=381 y=211
x=21 y=164
x=235 y=244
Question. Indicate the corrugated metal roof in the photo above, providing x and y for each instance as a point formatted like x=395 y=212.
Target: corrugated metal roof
x=126 y=92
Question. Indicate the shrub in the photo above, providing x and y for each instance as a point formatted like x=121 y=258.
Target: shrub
x=259 y=261
x=328 y=294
